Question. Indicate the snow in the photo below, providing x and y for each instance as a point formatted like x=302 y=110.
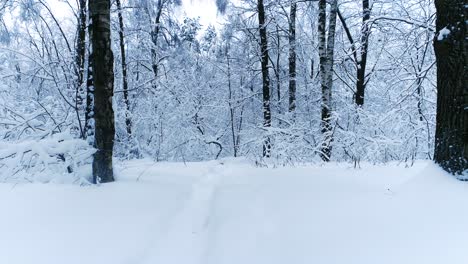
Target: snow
x=443 y=34
x=228 y=211
x=45 y=160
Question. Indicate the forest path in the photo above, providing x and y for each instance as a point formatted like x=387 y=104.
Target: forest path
x=186 y=238
x=230 y=212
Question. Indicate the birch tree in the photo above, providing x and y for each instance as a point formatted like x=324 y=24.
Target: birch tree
x=326 y=54
x=80 y=58
x=103 y=72
x=292 y=56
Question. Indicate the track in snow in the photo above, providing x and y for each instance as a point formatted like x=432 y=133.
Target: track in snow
x=186 y=240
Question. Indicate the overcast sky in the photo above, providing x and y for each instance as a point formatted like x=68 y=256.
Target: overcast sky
x=205 y=9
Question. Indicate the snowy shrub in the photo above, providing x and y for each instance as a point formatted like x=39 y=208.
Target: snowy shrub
x=57 y=158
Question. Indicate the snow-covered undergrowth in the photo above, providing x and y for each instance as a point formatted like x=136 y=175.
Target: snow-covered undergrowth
x=56 y=158
x=231 y=212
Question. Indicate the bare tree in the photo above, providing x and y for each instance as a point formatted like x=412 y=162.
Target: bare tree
x=128 y=120
x=326 y=53
x=89 y=111
x=292 y=56
x=359 y=51
x=154 y=38
x=80 y=58
x=265 y=75
x=362 y=59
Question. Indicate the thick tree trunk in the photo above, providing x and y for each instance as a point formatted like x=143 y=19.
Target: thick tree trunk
x=265 y=76
x=292 y=56
x=450 y=45
x=128 y=120
x=362 y=60
x=103 y=71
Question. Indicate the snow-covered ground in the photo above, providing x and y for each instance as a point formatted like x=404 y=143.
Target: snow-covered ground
x=230 y=212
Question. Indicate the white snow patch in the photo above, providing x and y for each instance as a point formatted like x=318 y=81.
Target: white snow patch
x=443 y=34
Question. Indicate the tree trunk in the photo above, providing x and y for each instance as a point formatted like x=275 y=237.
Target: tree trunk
x=103 y=72
x=128 y=120
x=326 y=53
x=154 y=39
x=450 y=45
x=230 y=103
x=362 y=60
x=89 y=111
x=80 y=62
x=278 y=69
x=322 y=49
x=331 y=48
x=265 y=76
x=292 y=57
x=359 y=55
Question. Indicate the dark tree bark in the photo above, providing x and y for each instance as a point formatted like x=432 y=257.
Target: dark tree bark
x=278 y=68
x=89 y=111
x=128 y=120
x=103 y=71
x=326 y=53
x=292 y=56
x=362 y=60
x=154 y=39
x=450 y=45
x=265 y=76
x=359 y=55
x=80 y=61
x=322 y=48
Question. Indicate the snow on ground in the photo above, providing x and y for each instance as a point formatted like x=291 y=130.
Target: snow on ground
x=230 y=212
